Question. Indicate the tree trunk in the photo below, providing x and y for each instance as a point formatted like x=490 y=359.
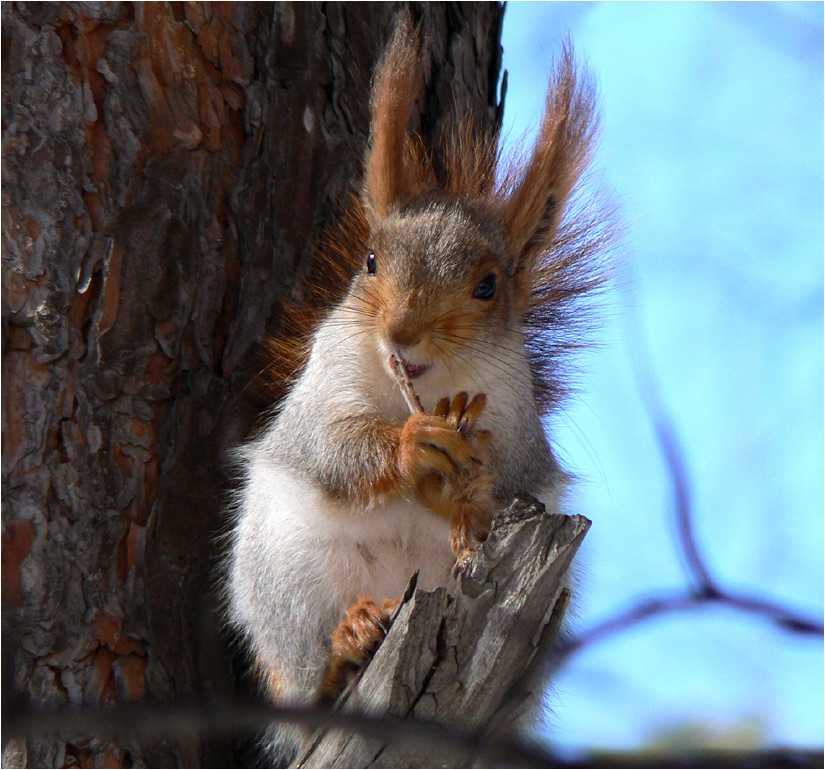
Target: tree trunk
x=166 y=169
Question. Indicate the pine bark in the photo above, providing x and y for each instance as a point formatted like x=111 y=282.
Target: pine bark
x=167 y=167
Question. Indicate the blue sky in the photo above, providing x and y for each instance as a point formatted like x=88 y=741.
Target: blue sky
x=712 y=141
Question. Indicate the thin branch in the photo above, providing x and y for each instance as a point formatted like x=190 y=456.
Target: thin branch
x=706 y=590
x=779 y=614
x=666 y=435
x=786 y=619
x=624 y=620
x=682 y=508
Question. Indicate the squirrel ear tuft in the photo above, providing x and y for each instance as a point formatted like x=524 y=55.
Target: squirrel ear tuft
x=536 y=201
x=388 y=178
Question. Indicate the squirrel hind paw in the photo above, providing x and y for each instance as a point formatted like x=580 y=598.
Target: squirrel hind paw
x=354 y=642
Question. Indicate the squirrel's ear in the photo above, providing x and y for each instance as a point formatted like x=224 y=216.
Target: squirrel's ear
x=534 y=206
x=388 y=178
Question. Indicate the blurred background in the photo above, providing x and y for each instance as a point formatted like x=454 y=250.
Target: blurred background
x=712 y=142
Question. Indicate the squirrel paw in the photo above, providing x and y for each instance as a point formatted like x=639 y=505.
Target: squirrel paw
x=354 y=641
x=471 y=525
x=443 y=454
x=441 y=442
x=464 y=494
x=429 y=443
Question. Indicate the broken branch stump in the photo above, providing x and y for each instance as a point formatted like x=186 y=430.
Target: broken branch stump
x=463 y=661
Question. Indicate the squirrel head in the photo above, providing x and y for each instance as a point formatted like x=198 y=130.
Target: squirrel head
x=437 y=282
x=460 y=253
x=448 y=255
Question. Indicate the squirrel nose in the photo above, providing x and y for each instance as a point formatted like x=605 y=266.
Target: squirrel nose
x=402 y=334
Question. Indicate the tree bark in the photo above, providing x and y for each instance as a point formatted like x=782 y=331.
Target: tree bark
x=167 y=167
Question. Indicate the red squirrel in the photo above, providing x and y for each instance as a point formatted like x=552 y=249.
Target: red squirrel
x=461 y=287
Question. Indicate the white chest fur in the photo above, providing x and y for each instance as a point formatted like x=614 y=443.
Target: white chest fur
x=328 y=553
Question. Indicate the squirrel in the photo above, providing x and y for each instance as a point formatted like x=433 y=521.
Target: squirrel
x=416 y=411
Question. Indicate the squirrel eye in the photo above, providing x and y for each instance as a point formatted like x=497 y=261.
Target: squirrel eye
x=371 y=263
x=487 y=288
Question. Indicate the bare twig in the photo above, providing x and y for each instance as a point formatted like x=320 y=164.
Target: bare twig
x=705 y=589
x=671 y=449
x=405 y=383
x=682 y=506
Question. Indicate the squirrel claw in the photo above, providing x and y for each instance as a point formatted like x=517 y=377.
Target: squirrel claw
x=461 y=562
x=442 y=408
x=459 y=413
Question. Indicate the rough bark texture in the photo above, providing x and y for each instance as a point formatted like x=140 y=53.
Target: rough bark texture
x=461 y=660
x=166 y=169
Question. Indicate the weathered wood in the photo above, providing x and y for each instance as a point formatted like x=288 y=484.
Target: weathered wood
x=458 y=660
x=166 y=168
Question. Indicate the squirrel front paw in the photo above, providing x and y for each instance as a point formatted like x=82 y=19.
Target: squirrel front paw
x=354 y=641
x=465 y=495
x=441 y=442
x=463 y=416
x=472 y=516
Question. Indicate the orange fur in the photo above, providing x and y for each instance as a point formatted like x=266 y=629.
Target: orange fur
x=429 y=443
x=338 y=256
x=471 y=159
x=533 y=208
